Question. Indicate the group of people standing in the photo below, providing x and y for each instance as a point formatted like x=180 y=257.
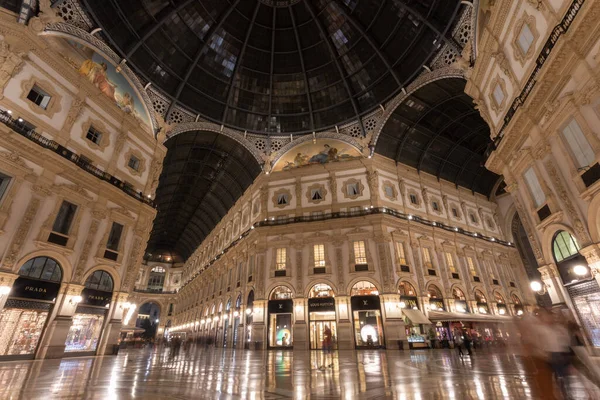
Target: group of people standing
x=463 y=340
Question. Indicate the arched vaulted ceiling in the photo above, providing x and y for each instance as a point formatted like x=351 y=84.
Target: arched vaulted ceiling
x=204 y=174
x=438 y=130
x=292 y=66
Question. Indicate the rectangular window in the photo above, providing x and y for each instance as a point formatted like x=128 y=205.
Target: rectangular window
x=471 y=265
x=114 y=237
x=64 y=218
x=413 y=199
x=473 y=218
x=525 y=38
x=281 y=258
x=435 y=206
x=93 y=135
x=4 y=181
x=38 y=96
x=134 y=163
x=282 y=199
x=319 y=253
x=582 y=152
x=498 y=94
x=315 y=194
x=360 y=254
x=539 y=197
x=427 y=257
x=389 y=191
x=352 y=189
x=454 y=212
x=401 y=254
x=450 y=262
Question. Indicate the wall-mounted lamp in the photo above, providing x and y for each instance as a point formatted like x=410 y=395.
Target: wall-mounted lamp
x=76 y=300
x=519 y=312
x=4 y=290
x=581 y=270
x=248 y=311
x=502 y=311
x=235 y=313
x=538 y=287
x=402 y=304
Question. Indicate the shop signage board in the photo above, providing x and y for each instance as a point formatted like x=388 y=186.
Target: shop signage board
x=96 y=298
x=321 y=304
x=365 y=302
x=280 y=306
x=34 y=289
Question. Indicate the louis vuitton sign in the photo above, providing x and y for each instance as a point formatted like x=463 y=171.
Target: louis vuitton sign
x=34 y=289
x=321 y=304
x=365 y=302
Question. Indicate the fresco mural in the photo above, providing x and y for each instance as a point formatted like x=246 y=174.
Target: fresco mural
x=320 y=151
x=105 y=76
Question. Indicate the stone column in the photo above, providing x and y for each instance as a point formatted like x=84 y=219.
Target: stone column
x=345 y=339
x=553 y=284
x=258 y=339
x=300 y=324
x=112 y=327
x=393 y=324
x=52 y=343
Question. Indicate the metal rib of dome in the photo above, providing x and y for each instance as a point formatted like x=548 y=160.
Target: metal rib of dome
x=277 y=66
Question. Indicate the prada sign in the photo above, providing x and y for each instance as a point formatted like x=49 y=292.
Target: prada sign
x=280 y=306
x=33 y=289
x=321 y=304
x=365 y=302
x=96 y=298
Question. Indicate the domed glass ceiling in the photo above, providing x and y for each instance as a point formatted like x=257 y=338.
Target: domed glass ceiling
x=271 y=66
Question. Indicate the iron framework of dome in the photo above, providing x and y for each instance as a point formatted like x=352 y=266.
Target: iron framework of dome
x=277 y=66
x=438 y=130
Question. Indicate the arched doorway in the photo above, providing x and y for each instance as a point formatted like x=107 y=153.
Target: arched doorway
x=236 y=320
x=226 y=317
x=436 y=298
x=148 y=319
x=281 y=308
x=249 y=318
x=30 y=303
x=366 y=314
x=500 y=304
x=481 y=300
x=90 y=314
x=517 y=304
x=460 y=300
x=321 y=314
x=415 y=321
x=442 y=328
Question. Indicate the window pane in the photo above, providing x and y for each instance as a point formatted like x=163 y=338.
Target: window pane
x=581 y=150
x=63 y=220
x=114 y=237
x=360 y=256
x=525 y=38
x=539 y=197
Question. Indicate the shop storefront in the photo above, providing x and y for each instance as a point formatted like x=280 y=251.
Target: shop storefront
x=280 y=310
x=415 y=322
x=29 y=305
x=440 y=337
x=249 y=319
x=226 y=317
x=517 y=305
x=460 y=301
x=321 y=315
x=500 y=304
x=90 y=315
x=368 y=324
x=482 y=305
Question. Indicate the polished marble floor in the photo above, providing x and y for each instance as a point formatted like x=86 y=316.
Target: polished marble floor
x=226 y=374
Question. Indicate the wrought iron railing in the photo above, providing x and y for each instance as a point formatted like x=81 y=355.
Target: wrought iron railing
x=22 y=128
x=155 y=291
x=350 y=214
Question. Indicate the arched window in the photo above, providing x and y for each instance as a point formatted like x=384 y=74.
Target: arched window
x=480 y=297
x=321 y=290
x=458 y=294
x=238 y=301
x=515 y=299
x=406 y=289
x=499 y=298
x=564 y=246
x=228 y=306
x=100 y=280
x=250 y=298
x=364 y=288
x=42 y=268
x=280 y=293
x=434 y=292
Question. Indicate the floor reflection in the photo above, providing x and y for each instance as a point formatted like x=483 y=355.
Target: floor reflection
x=227 y=374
